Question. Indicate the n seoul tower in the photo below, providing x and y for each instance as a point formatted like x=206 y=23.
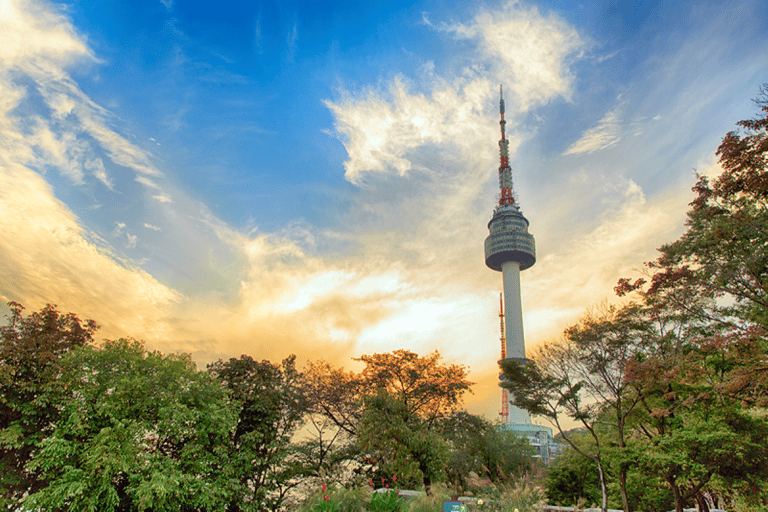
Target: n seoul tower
x=509 y=249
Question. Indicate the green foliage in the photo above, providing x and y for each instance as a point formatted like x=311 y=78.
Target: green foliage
x=702 y=376
x=401 y=443
x=138 y=431
x=262 y=462
x=31 y=349
x=573 y=478
x=648 y=492
x=479 y=446
x=384 y=420
x=351 y=500
x=387 y=501
x=432 y=502
x=521 y=495
x=359 y=499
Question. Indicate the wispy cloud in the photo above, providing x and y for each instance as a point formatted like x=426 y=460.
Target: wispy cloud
x=121 y=233
x=257 y=37
x=522 y=47
x=606 y=133
x=292 y=44
x=49 y=257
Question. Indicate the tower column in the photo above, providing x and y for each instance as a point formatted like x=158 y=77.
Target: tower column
x=513 y=309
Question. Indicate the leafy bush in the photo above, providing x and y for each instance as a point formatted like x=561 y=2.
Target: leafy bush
x=338 y=500
x=519 y=496
x=388 y=501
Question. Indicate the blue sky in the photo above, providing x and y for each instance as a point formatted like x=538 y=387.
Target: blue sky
x=315 y=178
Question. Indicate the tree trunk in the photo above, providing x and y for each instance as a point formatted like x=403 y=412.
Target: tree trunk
x=702 y=502
x=623 y=487
x=603 y=487
x=623 y=466
x=676 y=491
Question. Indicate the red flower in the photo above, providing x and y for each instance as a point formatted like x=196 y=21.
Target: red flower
x=326 y=497
x=382 y=480
x=370 y=482
x=394 y=478
x=324 y=487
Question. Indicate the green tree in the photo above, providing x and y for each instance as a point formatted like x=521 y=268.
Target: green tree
x=718 y=269
x=573 y=478
x=262 y=463
x=694 y=433
x=550 y=386
x=703 y=388
x=31 y=349
x=400 y=444
x=583 y=376
x=138 y=431
x=422 y=390
x=424 y=385
x=487 y=449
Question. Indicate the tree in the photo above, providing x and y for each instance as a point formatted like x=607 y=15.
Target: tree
x=584 y=375
x=400 y=444
x=137 y=431
x=713 y=280
x=421 y=390
x=270 y=404
x=573 y=478
x=487 y=449
x=549 y=387
x=722 y=258
x=695 y=434
x=425 y=386
x=31 y=349
x=335 y=405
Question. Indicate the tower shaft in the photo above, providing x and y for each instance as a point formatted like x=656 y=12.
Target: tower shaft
x=513 y=310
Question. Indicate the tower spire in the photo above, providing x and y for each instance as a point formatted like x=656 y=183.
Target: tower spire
x=505 y=171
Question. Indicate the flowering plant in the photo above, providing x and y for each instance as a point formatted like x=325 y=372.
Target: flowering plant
x=326 y=505
x=387 y=501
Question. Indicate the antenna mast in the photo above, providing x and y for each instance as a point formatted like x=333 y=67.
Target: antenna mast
x=504 y=393
x=505 y=171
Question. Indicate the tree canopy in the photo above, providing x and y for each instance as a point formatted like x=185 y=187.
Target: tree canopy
x=673 y=383
x=31 y=349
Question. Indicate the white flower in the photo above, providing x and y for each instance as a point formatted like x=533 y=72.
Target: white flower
x=479 y=502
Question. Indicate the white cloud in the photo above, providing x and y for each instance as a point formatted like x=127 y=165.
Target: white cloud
x=529 y=53
x=35 y=36
x=120 y=232
x=378 y=128
x=527 y=50
x=605 y=134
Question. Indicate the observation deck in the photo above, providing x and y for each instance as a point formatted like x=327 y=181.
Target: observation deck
x=509 y=239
